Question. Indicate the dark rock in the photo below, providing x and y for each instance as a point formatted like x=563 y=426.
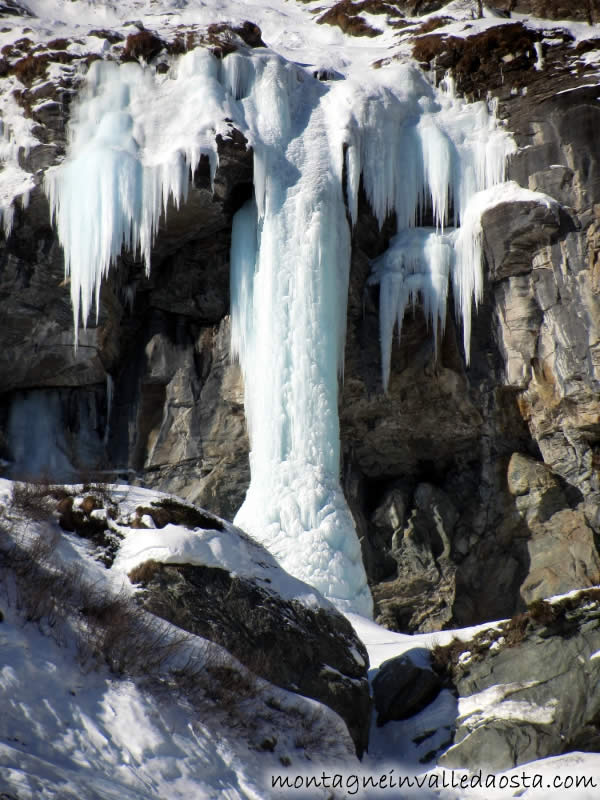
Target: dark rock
x=402 y=688
x=534 y=699
x=587 y=11
x=9 y=8
x=313 y=652
x=422 y=593
x=515 y=230
x=250 y=33
x=143 y=44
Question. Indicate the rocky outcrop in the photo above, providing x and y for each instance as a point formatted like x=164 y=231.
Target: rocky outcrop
x=530 y=689
x=586 y=11
x=313 y=652
x=532 y=385
x=562 y=545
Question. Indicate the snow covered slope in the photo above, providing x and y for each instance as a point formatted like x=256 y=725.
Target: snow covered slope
x=175 y=717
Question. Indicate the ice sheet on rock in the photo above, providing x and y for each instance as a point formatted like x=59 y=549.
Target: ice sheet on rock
x=36 y=435
x=15 y=141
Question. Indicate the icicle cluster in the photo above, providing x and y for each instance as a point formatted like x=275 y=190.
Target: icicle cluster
x=442 y=162
x=135 y=140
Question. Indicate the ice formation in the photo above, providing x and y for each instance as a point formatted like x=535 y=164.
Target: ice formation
x=420 y=152
x=457 y=151
x=15 y=182
x=135 y=140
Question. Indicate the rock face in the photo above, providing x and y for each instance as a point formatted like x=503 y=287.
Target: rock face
x=315 y=653
x=402 y=688
x=475 y=552
x=531 y=698
x=442 y=472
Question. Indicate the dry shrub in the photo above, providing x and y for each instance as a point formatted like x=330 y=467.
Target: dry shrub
x=433 y=24
x=38 y=500
x=544 y=613
x=144 y=573
x=445 y=657
x=58 y=44
x=515 y=630
x=34 y=67
x=128 y=641
x=143 y=44
x=591 y=595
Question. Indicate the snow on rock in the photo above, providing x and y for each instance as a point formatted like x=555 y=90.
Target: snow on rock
x=495 y=702
x=228 y=549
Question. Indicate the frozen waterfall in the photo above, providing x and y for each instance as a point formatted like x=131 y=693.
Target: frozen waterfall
x=421 y=152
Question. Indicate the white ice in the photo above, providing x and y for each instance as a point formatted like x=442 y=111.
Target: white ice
x=447 y=156
x=135 y=139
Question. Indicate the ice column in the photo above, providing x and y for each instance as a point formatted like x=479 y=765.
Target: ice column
x=290 y=263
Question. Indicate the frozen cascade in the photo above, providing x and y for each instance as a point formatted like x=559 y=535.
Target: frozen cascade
x=290 y=264
x=135 y=140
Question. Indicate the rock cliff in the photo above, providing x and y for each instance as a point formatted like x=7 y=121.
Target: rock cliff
x=475 y=489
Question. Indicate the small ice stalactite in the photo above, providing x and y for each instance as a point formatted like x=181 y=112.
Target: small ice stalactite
x=417 y=265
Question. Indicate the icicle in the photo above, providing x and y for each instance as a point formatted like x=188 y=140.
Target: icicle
x=134 y=143
x=416 y=265
x=243 y=262
x=458 y=152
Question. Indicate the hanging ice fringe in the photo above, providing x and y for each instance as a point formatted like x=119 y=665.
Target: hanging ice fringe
x=135 y=140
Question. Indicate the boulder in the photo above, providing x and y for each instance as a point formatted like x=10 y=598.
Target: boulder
x=402 y=688
x=314 y=652
x=531 y=690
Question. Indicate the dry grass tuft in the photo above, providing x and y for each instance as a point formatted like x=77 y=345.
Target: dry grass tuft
x=144 y=573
